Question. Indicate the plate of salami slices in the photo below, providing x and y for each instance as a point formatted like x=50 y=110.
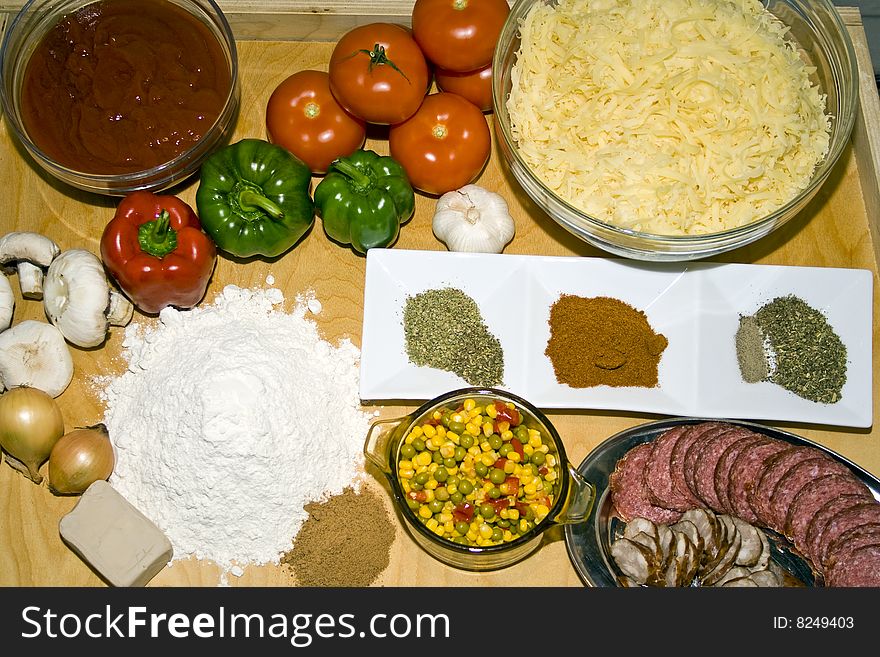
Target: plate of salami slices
x=708 y=502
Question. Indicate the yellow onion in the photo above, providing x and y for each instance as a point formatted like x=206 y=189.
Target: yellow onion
x=80 y=458
x=30 y=426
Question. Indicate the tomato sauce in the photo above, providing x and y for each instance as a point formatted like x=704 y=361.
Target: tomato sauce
x=123 y=85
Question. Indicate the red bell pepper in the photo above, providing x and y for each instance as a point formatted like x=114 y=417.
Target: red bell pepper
x=155 y=249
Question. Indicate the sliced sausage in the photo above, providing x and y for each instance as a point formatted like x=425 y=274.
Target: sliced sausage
x=676 y=463
x=794 y=480
x=743 y=476
x=862 y=568
x=855 y=516
x=844 y=545
x=725 y=465
x=629 y=493
x=707 y=432
x=819 y=522
x=658 y=471
x=812 y=497
x=707 y=461
x=769 y=475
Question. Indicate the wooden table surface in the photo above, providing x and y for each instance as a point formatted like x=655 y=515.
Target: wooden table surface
x=834 y=230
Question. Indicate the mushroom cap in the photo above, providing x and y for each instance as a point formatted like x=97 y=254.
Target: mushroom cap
x=7 y=303
x=24 y=245
x=76 y=294
x=34 y=354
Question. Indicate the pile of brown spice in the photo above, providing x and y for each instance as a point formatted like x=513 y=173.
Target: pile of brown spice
x=602 y=341
x=345 y=542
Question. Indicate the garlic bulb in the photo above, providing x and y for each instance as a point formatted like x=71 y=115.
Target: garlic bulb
x=472 y=219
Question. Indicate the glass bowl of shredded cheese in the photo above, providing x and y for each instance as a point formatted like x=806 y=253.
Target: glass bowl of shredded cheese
x=673 y=129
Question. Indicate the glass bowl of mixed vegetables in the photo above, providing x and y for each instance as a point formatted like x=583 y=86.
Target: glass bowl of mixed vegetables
x=478 y=475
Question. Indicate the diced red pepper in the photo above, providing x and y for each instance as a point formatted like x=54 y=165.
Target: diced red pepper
x=418 y=495
x=505 y=414
x=500 y=463
x=518 y=448
x=500 y=504
x=463 y=511
x=512 y=484
x=543 y=470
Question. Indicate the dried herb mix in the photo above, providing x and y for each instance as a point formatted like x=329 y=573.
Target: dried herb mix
x=602 y=341
x=445 y=330
x=802 y=352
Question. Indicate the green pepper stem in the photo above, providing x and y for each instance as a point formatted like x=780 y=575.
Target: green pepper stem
x=250 y=200
x=358 y=178
x=156 y=237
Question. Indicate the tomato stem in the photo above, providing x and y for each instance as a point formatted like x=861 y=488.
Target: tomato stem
x=378 y=57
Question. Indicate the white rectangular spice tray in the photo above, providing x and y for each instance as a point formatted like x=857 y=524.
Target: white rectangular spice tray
x=697 y=306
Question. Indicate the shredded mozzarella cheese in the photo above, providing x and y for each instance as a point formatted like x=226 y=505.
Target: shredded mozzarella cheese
x=673 y=117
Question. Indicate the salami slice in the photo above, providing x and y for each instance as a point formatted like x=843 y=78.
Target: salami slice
x=676 y=464
x=725 y=464
x=843 y=521
x=658 y=471
x=629 y=493
x=862 y=568
x=812 y=497
x=796 y=478
x=819 y=522
x=743 y=475
x=707 y=460
x=848 y=542
x=710 y=431
x=771 y=472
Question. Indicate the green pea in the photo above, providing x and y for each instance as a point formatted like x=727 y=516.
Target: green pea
x=435 y=505
x=450 y=462
x=505 y=449
x=494 y=492
x=461 y=540
x=497 y=476
x=495 y=441
x=521 y=433
x=481 y=469
x=487 y=510
x=407 y=451
x=465 y=487
x=422 y=478
x=441 y=494
x=452 y=481
x=412 y=504
x=460 y=453
x=456 y=498
x=457 y=427
x=418 y=444
x=534 y=469
x=504 y=524
x=497 y=534
x=415 y=485
x=445 y=419
x=530 y=513
x=440 y=474
x=537 y=458
x=462 y=527
x=437 y=457
x=466 y=441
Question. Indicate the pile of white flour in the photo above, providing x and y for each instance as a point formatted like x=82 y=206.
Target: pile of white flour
x=230 y=418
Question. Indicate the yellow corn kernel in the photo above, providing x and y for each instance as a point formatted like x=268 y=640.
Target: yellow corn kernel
x=431 y=485
x=544 y=448
x=508 y=535
x=491 y=411
x=429 y=430
x=444 y=517
x=472 y=535
x=449 y=527
x=447 y=450
x=535 y=441
x=509 y=465
x=436 y=415
x=530 y=488
x=469 y=404
x=407 y=473
x=453 y=470
x=474 y=450
x=488 y=429
x=485 y=446
x=523 y=526
x=472 y=429
x=457 y=417
x=425 y=512
x=452 y=488
x=438 y=441
x=487 y=459
x=474 y=413
x=503 y=426
x=441 y=430
x=550 y=476
x=405 y=464
x=513 y=458
x=541 y=511
x=423 y=459
x=528 y=450
x=485 y=531
x=432 y=524
x=551 y=460
x=416 y=432
x=513 y=513
x=440 y=531
x=525 y=477
x=429 y=494
x=452 y=436
x=487 y=486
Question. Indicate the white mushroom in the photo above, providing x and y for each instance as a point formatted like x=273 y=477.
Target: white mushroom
x=7 y=303
x=31 y=253
x=77 y=298
x=34 y=354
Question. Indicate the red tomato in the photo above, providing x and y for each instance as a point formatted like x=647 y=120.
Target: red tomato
x=304 y=117
x=444 y=146
x=459 y=35
x=476 y=86
x=378 y=73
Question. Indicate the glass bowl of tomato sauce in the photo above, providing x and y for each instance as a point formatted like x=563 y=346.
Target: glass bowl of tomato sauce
x=477 y=476
x=113 y=96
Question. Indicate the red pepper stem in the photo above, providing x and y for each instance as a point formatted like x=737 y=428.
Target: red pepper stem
x=250 y=200
x=156 y=237
x=358 y=178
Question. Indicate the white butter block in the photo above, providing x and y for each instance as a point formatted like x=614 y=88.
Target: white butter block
x=116 y=539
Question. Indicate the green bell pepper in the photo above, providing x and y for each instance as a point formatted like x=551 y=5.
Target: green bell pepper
x=253 y=198
x=364 y=199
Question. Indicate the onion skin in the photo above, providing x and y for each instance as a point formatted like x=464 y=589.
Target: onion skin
x=80 y=458
x=30 y=425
